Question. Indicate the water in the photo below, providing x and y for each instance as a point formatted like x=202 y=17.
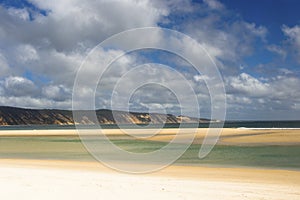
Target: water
x=70 y=148
x=227 y=124
x=262 y=124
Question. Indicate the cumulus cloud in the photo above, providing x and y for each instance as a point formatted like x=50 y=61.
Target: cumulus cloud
x=53 y=45
x=52 y=39
x=248 y=96
x=88 y=23
x=214 y=4
x=33 y=102
x=4 y=67
x=281 y=87
x=22 y=92
x=26 y=53
x=293 y=34
x=56 y=92
x=23 y=14
x=149 y=84
x=229 y=41
x=19 y=86
x=246 y=84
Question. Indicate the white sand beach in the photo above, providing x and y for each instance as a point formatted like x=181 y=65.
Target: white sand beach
x=29 y=179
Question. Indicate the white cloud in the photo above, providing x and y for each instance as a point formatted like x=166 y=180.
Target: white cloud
x=293 y=34
x=171 y=6
x=60 y=67
x=259 y=31
x=248 y=96
x=285 y=71
x=148 y=84
x=23 y=14
x=214 y=4
x=235 y=99
x=229 y=41
x=278 y=50
x=90 y=22
x=53 y=47
x=4 y=67
x=248 y=85
x=26 y=53
x=56 y=92
x=33 y=102
x=286 y=88
x=19 y=86
x=199 y=78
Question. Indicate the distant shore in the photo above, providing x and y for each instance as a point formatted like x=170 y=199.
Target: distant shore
x=228 y=136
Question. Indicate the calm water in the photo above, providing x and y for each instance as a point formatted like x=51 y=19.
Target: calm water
x=228 y=124
x=70 y=148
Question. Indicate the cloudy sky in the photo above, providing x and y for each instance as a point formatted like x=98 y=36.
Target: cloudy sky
x=254 y=43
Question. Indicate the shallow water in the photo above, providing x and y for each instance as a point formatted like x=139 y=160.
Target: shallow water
x=71 y=148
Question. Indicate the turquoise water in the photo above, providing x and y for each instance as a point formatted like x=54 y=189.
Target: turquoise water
x=259 y=156
x=70 y=148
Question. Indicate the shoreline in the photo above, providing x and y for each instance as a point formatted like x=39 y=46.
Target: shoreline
x=228 y=136
x=54 y=179
x=235 y=173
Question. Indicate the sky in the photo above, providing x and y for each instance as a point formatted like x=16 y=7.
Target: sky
x=254 y=43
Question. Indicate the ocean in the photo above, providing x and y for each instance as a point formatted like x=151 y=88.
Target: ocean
x=228 y=124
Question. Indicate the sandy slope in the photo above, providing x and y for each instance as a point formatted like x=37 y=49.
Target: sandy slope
x=26 y=179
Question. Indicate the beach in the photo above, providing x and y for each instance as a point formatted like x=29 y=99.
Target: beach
x=48 y=164
x=32 y=179
x=150 y=99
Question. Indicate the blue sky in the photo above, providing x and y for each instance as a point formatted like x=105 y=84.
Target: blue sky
x=255 y=44
x=270 y=14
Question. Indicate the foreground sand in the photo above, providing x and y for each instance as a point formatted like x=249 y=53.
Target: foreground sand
x=35 y=179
